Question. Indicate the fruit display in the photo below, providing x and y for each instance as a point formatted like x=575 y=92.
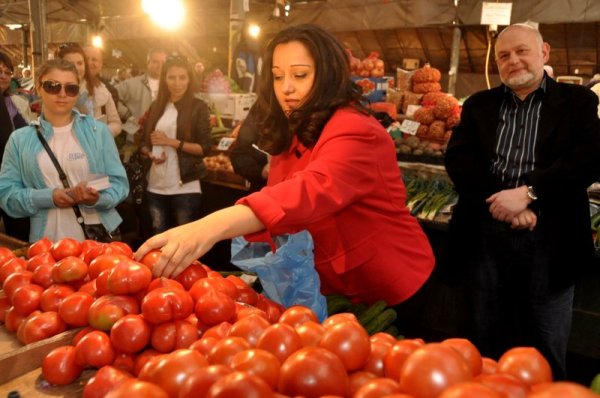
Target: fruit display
x=410 y=147
x=218 y=162
x=371 y=66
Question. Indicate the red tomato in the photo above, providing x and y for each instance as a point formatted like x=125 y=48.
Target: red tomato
x=378 y=387
x=143 y=358
x=124 y=362
x=5 y=255
x=41 y=246
x=39 y=259
x=350 y=342
x=258 y=362
x=339 y=318
x=26 y=298
x=88 y=245
x=4 y=306
x=191 y=274
x=313 y=372
x=128 y=277
x=310 y=333
x=242 y=310
x=80 y=334
x=245 y=294
x=249 y=328
x=383 y=337
x=59 y=366
x=271 y=308
x=89 y=288
x=12 y=282
x=39 y=326
x=106 y=379
x=358 y=379
x=69 y=269
x=214 y=307
x=137 y=388
x=151 y=258
x=204 y=285
x=488 y=366
x=431 y=369
x=171 y=336
x=164 y=282
x=198 y=384
x=219 y=331
x=54 y=295
x=171 y=370
x=122 y=247
x=239 y=385
x=12 y=319
x=204 y=345
x=396 y=356
x=10 y=266
x=95 y=350
x=130 y=334
x=375 y=363
x=106 y=310
x=296 y=315
x=64 y=248
x=470 y=390
x=104 y=262
x=507 y=385
x=42 y=275
x=166 y=304
x=469 y=352
x=526 y=364
x=281 y=340
x=223 y=351
x=563 y=389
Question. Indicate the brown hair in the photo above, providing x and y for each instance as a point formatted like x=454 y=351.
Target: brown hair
x=53 y=64
x=74 y=48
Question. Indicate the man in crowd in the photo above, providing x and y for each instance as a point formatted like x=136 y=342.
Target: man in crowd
x=138 y=92
x=521 y=160
x=96 y=63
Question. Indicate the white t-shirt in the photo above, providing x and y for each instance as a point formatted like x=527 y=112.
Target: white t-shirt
x=153 y=83
x=73 y=160
x=164 y=178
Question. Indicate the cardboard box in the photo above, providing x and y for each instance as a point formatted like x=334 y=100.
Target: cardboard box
x=230 y=106
x=374 y=88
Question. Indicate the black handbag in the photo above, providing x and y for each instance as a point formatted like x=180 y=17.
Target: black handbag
x=95 y=232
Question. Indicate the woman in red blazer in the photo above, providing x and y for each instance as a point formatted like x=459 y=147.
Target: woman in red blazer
x=333 y=173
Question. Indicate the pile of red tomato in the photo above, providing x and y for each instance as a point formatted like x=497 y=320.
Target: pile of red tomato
x=204 y=335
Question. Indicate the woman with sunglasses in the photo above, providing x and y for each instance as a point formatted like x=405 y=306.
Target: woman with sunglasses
x=94 y=97
x=333 y=172
x=84 y=148
x=14 y=113
x=176 y=138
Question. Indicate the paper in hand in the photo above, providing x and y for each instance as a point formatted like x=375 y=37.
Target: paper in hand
x=98 y=182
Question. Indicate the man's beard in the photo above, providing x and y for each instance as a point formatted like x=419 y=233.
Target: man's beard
x=519 y=81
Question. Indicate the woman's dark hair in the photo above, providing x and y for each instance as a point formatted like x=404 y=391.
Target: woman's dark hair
x=53 y=64
x=184 y=115
x=5 y=59
x=75 y=48
x=332 y=89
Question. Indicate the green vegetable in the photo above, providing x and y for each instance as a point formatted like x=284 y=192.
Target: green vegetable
x=372 y=312
x=382 y=321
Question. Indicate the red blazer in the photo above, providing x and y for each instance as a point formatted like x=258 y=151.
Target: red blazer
x=348 y=193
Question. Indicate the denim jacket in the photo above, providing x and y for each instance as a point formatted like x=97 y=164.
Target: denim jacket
x=23 y=192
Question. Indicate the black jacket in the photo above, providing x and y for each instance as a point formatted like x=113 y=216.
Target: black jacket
x=246 y=160
x=567 y=162
x=191 y=167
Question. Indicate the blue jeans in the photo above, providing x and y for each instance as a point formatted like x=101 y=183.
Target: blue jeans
x=168 y=211
x=513 y=304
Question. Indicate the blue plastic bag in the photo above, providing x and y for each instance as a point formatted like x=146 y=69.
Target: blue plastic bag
x=287 y=276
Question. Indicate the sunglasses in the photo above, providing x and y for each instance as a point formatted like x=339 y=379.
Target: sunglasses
x=71 y=89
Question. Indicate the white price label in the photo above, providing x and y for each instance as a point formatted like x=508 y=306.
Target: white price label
x=495 y=13
x=225 y=143
x=411 y=109
x=409 y=126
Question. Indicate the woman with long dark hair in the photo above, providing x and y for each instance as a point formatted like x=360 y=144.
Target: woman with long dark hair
x=333 y=172
x=176 y=138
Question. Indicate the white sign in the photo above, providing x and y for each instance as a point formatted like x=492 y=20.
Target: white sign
x=411 y=109
x=225 y=143
x=496 y=13
x=409 y=126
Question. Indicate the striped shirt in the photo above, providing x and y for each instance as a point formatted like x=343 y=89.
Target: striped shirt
x=516 y=137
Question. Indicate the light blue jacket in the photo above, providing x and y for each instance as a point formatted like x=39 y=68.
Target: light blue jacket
x=23 y=192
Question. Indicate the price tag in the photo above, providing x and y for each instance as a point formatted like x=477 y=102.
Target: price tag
x=411 y=109
x=225 y=143
x=409 y=126
x=495 y=13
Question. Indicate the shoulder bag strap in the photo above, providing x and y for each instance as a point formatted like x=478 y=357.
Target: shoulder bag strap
x=61 y=175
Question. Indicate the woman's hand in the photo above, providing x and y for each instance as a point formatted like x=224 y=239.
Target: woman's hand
x=158 y=137
x=63 y=198
x=83 y=194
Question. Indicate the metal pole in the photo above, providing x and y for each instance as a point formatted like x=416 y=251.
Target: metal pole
x=237 y=15
x=454 y=58
x=25 y=41
x=39 y=42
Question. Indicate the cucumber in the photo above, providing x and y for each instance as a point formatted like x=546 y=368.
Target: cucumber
x=337 y=304
x=595 y=385
x=595 y=222
x=382 y=321
x=372 y=312
x=358 y=309
x=392 y=330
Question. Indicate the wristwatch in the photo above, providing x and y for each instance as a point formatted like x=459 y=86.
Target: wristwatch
x=531 y=193
x=180 y=146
